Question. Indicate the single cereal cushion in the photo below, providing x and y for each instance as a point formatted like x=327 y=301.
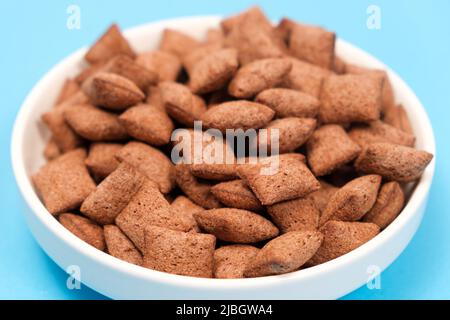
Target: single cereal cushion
x=329 y=148
x=230 y=261
x=257 y=76
x=147 y=123
x=191 y=59
x=150 y=161
x=340 y=237
x=398 y=118
x=351 y=98
x=101 y=160
x=111 y=43
x=185 y=206
x=284 y=254
x=113 y=194
x=187 y=254
x=63 y=135
x=281 y=178
x=120 y=246
x=112 y=91
x=84 y=229
x=289 y=103
x=389 y=203
x=393 y=162
x=255 y=14
x=236 y=225
x=64 y=183
x=69 y=88
x=165 y=64
x=295 y=215
x=353 y=200
x=322 y=196
x=236 y=194
x=239 y=114
x=214 y=71
x=177 y=43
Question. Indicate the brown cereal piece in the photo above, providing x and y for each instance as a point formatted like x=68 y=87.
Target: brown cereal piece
x=126 y=67
x=112 y=91
x=340 y=237
x=322 y=196
x=84 y=229
x=120 y=246
x=351 y=98
x=187 y=254
x=64 y=137
x=64 y=183
x=181 y=104
x=236 y=225
x=101 y=160
x=112 y=194
x=285 y=253
x=214 y=71
x=69 y=88
x=147 y=123
x=339 y=65
x=330 y=148
x=165 y=64
x=393 y=162
x=148 y=207
x=312 y=44
x=95 y=124
x=295 y=215
x=379 y=131
x=284 y=28
x=150 y=161
x=236 y=194
x=398 y=118
x=185 y=206
x=154 y=97
x=51 y=150
x=230 y=261
x=239 y=114
x=177 y=43
x=74 y=100
x=255 y=14
x=199 y=192
x=215 y=36
x=353 y=200
x=110 y=44
x=280 y=178
x=257 y=76
x=88 y=72
x=191 y=59
x=289 y=103
x=389 y=203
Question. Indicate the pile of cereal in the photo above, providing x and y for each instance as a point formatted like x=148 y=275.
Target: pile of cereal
x=346 y=151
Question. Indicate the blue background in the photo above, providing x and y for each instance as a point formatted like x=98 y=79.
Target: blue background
x=414 y=41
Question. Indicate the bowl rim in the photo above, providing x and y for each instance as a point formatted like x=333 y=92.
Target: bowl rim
x=24 y=183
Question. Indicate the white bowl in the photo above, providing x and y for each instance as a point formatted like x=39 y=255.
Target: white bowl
x=118 y=279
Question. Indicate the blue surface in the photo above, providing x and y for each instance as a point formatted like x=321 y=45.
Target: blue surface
x=414 y=41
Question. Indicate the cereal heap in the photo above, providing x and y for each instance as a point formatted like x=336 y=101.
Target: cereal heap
x=346 y=151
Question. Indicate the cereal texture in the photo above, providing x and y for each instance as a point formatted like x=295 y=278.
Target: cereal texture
x=230 y=261
x=120 y=246
x=236 y=194
x=101 y=160
x=84 y=229
x=166 y=65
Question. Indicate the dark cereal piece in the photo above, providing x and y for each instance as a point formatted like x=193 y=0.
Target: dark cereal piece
x=351 y=98
x=64 y=137
x=313 y=44
x=343 y=175
x=236 y=194
x=64 y=183
x=379 y=131
x=255 y=14
x=322 y=196
x=101 y=160
x=147 y=123
x=150 y=161
x=188 y=254
x=165 y=64
x=113 y=194
x=289 y=103
x=177 y=43
x=213 y=71
x=111 y=43
x=353 y=200
x=95 y=124
x=185 y=206
x=330 y=148
x=236 y=225
x=231 y=261
x=181 y=104
x=389 y=203
x=295 y=215
x=69 y=88
x=84 y=229
x=281 y=178
x=120 y=246
x=393 y=162
x=398 y=118
x=285 y=253
x=199 y=192
x=341 y=237
x=51 y=150
x=112 y=91
x=258 y=76
x=191 y=59
x=148 y=207
x=239 y=114
x=126 y=67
